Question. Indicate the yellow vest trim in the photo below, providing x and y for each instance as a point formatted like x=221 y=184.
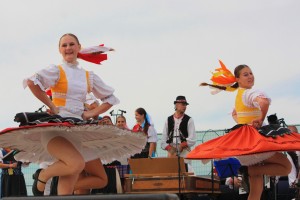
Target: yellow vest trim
x=87 y=74
x=59 y=91
x=245 y=114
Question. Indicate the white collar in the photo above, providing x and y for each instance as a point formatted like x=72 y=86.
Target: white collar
x=75 y=64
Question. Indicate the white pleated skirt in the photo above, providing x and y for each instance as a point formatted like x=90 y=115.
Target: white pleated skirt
x=106 y=142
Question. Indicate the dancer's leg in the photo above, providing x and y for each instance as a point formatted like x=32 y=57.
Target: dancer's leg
x=70 y=163
x=96 y=178
x=66 y=184
x=256 y=187
x=82 y=191
x=277 y=165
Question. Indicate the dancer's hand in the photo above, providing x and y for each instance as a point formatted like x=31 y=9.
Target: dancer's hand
x=171 y=151
x=256 y=123
x=53 y=111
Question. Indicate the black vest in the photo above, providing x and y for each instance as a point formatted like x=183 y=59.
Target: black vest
x=183 y=127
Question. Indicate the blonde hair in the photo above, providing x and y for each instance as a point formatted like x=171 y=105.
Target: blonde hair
x=121 y=116
x=69 y=34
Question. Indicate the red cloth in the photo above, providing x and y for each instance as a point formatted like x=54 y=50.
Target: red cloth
x=244 y=141
x=93 y=58
x=184 y=145
x=35 y=126
x=49 y=92
x=168 y=147
x=137 y=128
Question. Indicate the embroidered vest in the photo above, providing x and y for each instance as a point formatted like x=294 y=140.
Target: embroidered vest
x=245 y=114
x=183 y=127
x=59 y=91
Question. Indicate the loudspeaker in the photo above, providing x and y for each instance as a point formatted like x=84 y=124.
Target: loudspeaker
x=102 y=197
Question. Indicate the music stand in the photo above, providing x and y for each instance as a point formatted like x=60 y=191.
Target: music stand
x=227 y=168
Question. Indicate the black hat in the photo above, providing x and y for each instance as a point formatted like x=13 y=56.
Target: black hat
x=181 y=99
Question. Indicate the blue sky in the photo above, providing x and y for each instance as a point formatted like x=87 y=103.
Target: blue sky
x=163 y=49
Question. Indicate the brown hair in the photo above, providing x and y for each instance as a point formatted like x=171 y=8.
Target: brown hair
x=142 y=111
x=69 y=34
x=237 y=72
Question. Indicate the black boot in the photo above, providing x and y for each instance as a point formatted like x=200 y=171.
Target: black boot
x=35 y=190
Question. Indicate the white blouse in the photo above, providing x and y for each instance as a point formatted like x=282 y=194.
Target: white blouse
x=152 y=134
x=77 y=87
x=249 y=96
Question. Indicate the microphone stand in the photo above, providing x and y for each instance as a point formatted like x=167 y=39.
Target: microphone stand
x=113 y=115
x=117 y=114
x=122 y=112
x=178 y=159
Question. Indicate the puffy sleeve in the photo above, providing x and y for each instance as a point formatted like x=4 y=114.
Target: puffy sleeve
x=250 y=95
x=1 y=156
x=90 y=99
x=44 y=78
x=164 y=136
x=102 y=91
x=191 y=139
x=152 y=134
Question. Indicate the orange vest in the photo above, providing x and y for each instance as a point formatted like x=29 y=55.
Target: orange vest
x=59 y=91
x=245 y=114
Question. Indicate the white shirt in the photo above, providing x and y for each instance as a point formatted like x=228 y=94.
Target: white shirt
x=191 y=139
x=152 y=134
x=77 y=87
x=1 y=155
x=250 y=94
x=292 y=176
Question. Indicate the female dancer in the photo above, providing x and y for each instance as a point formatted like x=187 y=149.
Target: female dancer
x=70 y=84
x=72 y=144
x=144 y=125
x=258 y=154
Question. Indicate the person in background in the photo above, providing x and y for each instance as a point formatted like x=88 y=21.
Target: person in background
x=121 y=122
x=105 y=120
x=293 y=157
x=12 y=178
x=179 y=134
x=144 y=124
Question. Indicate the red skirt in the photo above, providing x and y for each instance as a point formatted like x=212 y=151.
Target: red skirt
x=245 y=140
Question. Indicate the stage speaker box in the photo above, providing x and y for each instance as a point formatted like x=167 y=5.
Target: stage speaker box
x=102 y=197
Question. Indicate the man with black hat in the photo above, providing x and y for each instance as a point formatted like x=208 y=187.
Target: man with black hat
x=179 y=132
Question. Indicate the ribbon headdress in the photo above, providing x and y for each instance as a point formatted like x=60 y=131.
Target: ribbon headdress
x=94 y=54
x=222 y=79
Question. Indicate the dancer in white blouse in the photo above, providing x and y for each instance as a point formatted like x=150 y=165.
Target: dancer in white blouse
x=70 y=83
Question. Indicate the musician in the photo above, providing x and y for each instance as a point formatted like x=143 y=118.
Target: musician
x=179 y=133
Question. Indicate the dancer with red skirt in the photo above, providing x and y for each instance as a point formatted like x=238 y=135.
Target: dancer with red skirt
x=258 y=148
